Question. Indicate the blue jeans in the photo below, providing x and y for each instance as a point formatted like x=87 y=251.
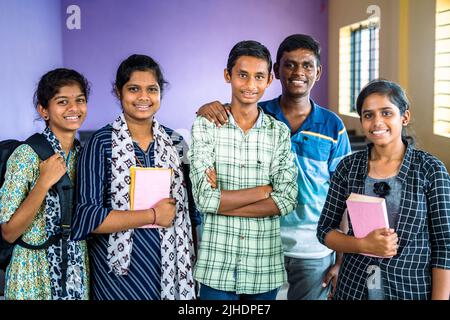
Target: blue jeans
x=305 y=277
x=208 y=293
x=375 y=285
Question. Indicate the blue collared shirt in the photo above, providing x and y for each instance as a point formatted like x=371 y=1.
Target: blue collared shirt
x=319 y=144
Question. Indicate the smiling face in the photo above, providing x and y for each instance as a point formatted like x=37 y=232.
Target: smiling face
x=66 y=110
x=249 y=79
x=297 y=71
x=381 y=120
x=140 y=97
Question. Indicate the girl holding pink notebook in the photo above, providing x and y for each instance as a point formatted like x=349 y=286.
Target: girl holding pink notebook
x=129 y=262
x=414 y=250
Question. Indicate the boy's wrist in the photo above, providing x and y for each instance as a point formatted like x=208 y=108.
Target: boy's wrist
x=265 y=192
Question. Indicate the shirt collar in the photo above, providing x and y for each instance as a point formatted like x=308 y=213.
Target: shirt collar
x=259 y=121
x=315 y=115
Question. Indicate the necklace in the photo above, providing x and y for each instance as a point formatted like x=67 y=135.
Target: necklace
x=393 y=165
x=380 y=176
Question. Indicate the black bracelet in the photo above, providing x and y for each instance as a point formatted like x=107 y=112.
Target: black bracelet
x=154 y=215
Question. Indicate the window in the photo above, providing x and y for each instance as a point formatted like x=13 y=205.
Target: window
x=358 y=61
x=442 y=70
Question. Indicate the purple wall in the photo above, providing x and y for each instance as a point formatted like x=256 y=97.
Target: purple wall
x=30 y=45
x=191 y=40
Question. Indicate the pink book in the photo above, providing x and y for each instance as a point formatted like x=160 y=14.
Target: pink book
x=147 y=187
x=366 y=214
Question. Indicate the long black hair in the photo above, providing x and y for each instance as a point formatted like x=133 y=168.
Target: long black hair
x=137 y=62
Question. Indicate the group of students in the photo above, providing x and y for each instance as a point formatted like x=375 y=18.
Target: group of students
x=268 y=179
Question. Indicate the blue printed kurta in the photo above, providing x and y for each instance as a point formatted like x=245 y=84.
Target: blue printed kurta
x=143 y=281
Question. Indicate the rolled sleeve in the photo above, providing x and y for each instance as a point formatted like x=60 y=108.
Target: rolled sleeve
x=90 y=208
x=284 y=174
x=201 y=156
x=438 y=200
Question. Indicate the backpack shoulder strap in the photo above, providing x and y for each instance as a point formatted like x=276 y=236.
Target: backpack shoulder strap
x=64 y=185
x=40 y=145
x=65 y=191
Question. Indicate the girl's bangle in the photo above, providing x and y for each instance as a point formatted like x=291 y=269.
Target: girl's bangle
x=154 y=215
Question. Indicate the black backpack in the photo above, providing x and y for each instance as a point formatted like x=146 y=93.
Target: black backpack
x=65 y=191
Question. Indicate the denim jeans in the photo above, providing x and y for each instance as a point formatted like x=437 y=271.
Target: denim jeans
x=375 y=283
x=305 y=277
x=208 y=293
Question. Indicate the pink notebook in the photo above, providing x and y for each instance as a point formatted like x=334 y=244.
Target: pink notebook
x=366 y=214
x=148 y=186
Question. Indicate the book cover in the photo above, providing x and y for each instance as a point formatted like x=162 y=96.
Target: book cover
x=147 y=187
x=366 y=214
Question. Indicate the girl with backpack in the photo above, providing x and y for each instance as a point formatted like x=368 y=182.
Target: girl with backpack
x=30 y=210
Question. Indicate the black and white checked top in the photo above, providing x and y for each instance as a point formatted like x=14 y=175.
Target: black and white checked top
x=423 y=226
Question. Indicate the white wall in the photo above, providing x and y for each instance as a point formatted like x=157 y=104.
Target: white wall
x=30 y=45
x=406 y=57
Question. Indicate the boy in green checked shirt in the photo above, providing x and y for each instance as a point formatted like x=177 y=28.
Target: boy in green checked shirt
x=243 y=177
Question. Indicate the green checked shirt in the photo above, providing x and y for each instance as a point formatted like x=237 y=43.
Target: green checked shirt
x=238 y=254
